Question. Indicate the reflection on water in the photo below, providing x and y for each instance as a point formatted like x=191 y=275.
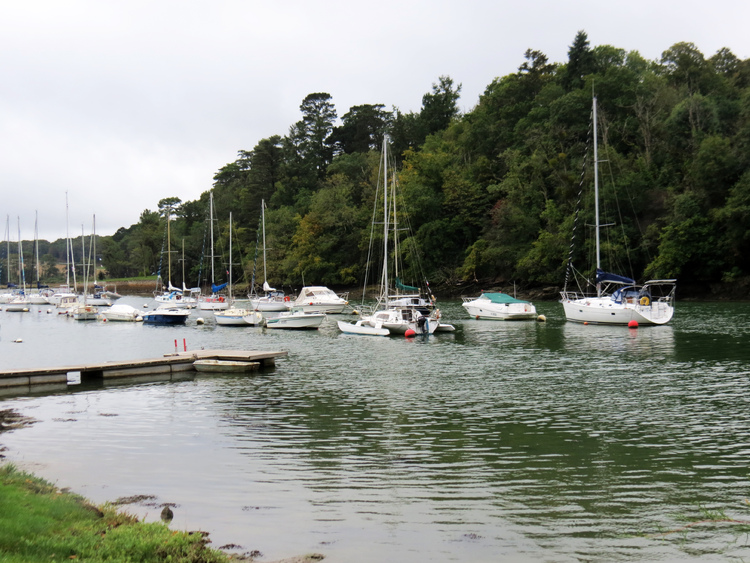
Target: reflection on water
x=518 y=441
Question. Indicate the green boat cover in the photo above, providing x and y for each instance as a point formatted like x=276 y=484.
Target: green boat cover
x=502 y=298
x=403 y=287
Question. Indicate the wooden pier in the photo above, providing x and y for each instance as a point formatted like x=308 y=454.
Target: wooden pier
x=171 y=366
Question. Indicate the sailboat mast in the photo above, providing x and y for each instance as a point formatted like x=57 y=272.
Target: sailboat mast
x=263 y=221
x=67 y=244
x=36 y=244
x=93 y=249
x=20 y=258
x=385 y=220
x=169 y=247
x=596 y=198
x=84 y=265
x=211 y=226
x=395 y=230
x=230 y=258
x=7 y=255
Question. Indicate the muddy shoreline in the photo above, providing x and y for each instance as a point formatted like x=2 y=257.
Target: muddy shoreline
x=11 y=420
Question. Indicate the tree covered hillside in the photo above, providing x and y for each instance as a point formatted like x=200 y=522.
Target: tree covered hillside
x=491 y=194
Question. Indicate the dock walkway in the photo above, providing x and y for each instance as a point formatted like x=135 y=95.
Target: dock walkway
x=169 y=364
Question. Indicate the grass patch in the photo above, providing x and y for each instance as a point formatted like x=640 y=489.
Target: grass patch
x=39 y=522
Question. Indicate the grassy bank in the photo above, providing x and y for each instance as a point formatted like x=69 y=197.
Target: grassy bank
x=39 y=522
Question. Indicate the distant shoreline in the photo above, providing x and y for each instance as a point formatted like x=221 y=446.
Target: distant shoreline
x=725 y=291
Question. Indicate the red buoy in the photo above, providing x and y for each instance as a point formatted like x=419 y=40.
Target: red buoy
x=410 y=333
x=633 y=324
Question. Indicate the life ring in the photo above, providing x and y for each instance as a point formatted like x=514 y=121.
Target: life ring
x=645 y=301
x=221 y=300
x=286 y=298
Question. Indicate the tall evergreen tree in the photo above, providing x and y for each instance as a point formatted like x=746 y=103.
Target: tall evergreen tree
x=581 y=62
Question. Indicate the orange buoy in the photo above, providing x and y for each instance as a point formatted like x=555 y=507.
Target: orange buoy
x=410 y=333
x=633 y=324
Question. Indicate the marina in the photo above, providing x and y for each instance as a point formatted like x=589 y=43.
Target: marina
x=517 y=441
x=173 y=365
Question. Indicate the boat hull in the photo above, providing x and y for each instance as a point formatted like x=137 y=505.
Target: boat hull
x=399 y=321
x=213 y=304
x=602 y=310
x=121 y=313
x=296 y=321
x=167 y=317
x=362 y=328
x=500 y=312
x=238 y=317
x=269 y=306
x=318 y=299
x=18 y=307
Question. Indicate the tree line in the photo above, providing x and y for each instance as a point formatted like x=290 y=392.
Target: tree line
x=491 y=193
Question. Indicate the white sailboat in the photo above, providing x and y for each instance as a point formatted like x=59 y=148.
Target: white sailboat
x=172 y=297
x=390 y=313
x=273 y=300
x=85 y=311
x=12 y=289
x=43 y=293
x=618 y=299
x=216 y=301
x=65 y=296
x=20 y=303
x=235 y=316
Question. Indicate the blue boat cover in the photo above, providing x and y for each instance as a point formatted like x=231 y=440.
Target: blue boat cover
x=602 y=276
x=217 y=288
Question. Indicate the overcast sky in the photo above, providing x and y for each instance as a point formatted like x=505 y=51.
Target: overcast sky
x=122 y=103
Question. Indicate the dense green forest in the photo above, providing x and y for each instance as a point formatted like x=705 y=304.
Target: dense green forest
x=491 y=194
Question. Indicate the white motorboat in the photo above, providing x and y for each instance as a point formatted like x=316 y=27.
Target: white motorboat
x=618 y=299
x=498 y=306
x=363 y=328
x=66 y=301
x=121 y=313
x=296 y=317
x=84 y=312
x=238 y=317
x=318 y=299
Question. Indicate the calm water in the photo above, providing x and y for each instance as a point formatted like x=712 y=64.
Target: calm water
x=502 y=441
